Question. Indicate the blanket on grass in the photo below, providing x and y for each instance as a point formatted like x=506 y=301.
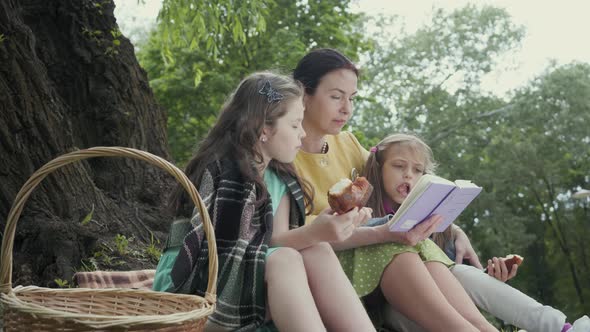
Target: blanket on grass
x=140 y=279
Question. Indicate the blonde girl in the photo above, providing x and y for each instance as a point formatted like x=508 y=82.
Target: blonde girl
x=393 y=167
x=415 y=280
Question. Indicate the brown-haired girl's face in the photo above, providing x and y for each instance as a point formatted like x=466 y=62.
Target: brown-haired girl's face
x=284 y=138
x=330 y=108
x=401 y=168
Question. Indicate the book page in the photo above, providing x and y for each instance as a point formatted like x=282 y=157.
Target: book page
x=465 y=184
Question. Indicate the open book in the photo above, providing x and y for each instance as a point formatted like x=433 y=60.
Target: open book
x=433 y=195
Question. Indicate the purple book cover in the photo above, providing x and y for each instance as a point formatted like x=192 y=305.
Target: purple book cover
x=454 y=204
x=438 y=198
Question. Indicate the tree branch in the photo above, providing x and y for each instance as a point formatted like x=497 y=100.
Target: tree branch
x=450 y=129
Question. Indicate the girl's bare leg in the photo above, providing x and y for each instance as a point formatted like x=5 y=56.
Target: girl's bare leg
x=291 y=304
x=336 y=299
x=457 y=296
x=409 y=287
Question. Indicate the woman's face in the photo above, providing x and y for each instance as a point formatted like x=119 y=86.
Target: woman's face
x=330 y=108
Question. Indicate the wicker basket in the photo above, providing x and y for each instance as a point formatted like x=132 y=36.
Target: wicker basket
x=34 y=308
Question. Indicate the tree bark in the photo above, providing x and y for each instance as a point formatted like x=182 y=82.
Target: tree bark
x=67 y=84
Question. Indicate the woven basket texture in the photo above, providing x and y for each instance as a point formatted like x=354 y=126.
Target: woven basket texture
x=38 y=309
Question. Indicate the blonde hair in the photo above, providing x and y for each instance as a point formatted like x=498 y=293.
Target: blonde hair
x=374 y=165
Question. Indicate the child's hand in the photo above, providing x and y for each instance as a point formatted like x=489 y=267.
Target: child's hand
x=420 y=232
x=497 y=268
x=364 y=215
x=331 y=227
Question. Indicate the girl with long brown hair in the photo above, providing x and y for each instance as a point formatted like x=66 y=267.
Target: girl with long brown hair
x=269 y=265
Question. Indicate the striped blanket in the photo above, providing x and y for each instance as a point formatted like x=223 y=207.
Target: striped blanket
x=140 y=279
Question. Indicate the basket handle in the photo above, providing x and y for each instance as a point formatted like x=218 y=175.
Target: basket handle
x=102 y=151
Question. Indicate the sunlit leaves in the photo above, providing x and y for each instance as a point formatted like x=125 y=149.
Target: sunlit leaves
x=437 y=68
x=192 y=73
x=192 y=23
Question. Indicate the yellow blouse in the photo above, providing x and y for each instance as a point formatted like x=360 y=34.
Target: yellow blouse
x=323 y=170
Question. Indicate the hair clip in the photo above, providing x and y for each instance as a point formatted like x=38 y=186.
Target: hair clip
x=271 y=94
x=373 y=149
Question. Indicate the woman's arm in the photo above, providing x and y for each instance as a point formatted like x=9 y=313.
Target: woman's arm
x=496 y=267
x=463 y=248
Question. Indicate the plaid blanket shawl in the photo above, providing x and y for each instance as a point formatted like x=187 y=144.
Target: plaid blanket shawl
x=242 y=232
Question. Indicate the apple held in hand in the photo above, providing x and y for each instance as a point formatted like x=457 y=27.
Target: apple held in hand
x=344 y=195
x=510 y=260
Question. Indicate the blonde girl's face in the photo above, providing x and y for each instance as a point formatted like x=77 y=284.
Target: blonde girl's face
x=284 y=139
x=330 y=108
x=403 y=165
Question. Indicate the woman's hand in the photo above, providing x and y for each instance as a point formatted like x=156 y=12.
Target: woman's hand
x=497 y=268
x=420 y=232
x=463 y=249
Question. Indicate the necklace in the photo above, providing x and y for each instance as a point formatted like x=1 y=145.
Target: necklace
x=324 y=148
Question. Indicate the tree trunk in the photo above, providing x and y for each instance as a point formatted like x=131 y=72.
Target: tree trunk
x=69 y=81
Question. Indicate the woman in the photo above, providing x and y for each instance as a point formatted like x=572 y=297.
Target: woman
x=328 y=154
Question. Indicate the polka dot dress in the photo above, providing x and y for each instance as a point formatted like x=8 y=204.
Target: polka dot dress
x=365 y=265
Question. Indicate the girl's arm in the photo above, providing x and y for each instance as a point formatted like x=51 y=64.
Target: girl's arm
x=281 y=235
x=364 y=236
x=327 y=227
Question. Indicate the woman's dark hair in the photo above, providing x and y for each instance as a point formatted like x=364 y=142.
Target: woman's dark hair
x=317 y=63
x=236 y=132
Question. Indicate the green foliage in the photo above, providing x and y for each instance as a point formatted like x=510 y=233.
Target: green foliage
x=88 y=217
x=99 y=38
x=196 y=25
x=99 y=5
x=88 y=265
x=62 y=283
x=510 y=329
x=104 y=257
x=113 y=48
x=2 y=38
x=538 y=156
x=153 y=252
x=122 y=244
x=416 y=81
x=94 y=35
x=193 y=82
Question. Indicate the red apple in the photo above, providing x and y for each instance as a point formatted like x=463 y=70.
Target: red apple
x=344 y=195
